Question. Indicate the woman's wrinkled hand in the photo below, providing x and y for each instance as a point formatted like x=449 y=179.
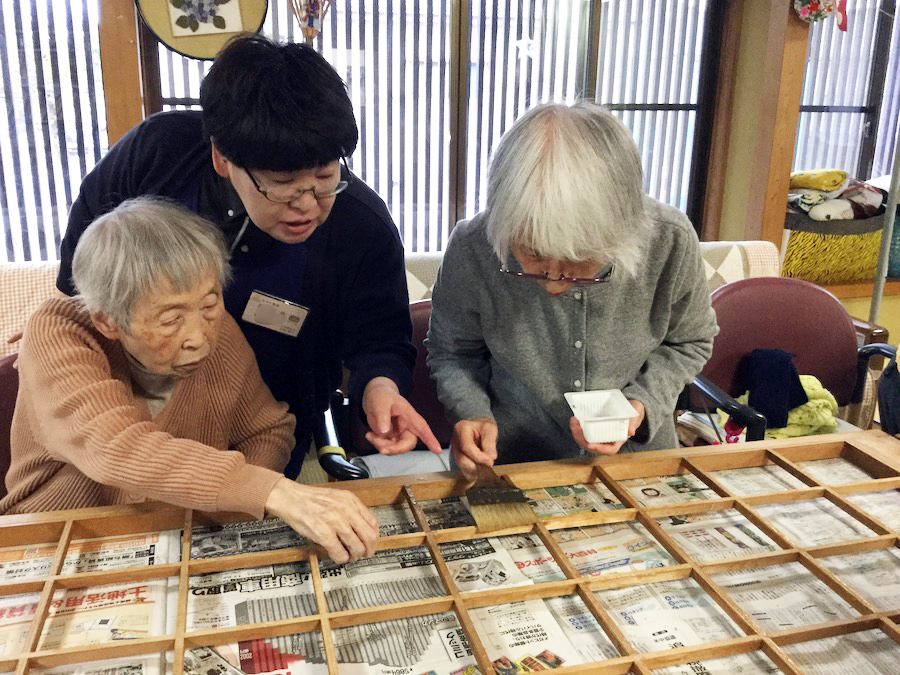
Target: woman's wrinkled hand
x=336 y=520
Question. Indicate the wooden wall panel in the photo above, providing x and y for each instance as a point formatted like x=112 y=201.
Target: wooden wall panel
x=121 y=66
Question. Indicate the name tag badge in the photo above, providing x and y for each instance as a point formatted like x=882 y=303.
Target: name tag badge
x=274 y=313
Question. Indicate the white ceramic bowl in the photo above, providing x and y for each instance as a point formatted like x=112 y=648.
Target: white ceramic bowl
x=603 y=414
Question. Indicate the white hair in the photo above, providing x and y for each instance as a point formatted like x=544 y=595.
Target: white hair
x=565 y=182
x=144 y=242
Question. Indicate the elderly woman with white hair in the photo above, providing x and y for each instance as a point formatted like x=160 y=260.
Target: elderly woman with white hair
x=571 y=280
x=143 y=387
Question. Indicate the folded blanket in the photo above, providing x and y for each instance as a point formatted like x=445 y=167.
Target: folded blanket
x=865 y=200
x=852 y=199
x=818 y=179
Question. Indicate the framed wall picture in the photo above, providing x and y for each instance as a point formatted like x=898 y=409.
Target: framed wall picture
x=199 y=28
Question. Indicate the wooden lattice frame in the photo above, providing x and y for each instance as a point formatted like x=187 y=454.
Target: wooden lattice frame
x=873 y=451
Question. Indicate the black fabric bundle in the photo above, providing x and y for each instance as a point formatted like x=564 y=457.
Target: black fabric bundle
x=774 y=385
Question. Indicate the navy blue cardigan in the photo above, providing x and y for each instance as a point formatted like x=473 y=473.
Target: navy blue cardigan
x=350 y=273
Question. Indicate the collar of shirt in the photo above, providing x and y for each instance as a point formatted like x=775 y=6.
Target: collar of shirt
x=150 y=385
x=220 y=203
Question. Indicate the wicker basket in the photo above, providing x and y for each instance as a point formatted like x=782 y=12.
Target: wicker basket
x=833 y=251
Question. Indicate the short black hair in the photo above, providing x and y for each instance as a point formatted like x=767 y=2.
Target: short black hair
x=277 y=107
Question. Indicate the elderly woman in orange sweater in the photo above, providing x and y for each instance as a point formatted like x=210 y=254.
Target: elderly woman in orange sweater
x=142 y=387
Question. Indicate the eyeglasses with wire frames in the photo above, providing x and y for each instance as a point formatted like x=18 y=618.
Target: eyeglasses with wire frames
x=288 y=194
x=601 y=278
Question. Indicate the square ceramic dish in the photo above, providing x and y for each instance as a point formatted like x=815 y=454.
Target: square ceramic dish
x=603 y=414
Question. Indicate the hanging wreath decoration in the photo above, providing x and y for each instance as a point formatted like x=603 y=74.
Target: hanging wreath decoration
x=817 y=10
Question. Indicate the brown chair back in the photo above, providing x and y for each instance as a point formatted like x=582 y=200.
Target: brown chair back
x=788 y=314
x=424 y=395
x=9 y=387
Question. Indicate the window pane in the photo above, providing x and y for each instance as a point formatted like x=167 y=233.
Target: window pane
x=890 y=109
x=837 y=113
x=520 y=54
x=649 y=73
x=55 y=116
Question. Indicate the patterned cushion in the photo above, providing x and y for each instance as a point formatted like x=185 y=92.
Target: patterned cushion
x=25 y=286
x=727 y=261
x=421 y=272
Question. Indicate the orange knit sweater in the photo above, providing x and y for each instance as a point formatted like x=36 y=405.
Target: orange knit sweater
x=81 y=438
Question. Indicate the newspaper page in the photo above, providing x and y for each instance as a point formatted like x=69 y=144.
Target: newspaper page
x=813 y=522
x=875 y=575
x=16 y=614
x=298 y=654
x=251 y=536
x=89 y=555
x=407 y=574
x=562 y=500
x=423 y=644
x=751 y=663
x=883 y=505
x=207 y=661
x=258 y=656
x=614 y=547
x=284 y=591
x=273 y=534
x=481 y=564
x=447 y=512
x=581 y=628
x=717 y=535
x=834 y=471
x=862 y=653
x=396 y=575
x=526 y=636
x=680 y=487
x=98 y=614
x=272 y=592
x=132 y=665
x=667 y=614
x=784 y=596
x=758 y=480
x=531 y=557
x=250 y=595
x=593 y=550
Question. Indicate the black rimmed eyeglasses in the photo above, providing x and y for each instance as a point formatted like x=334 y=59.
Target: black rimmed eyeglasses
x=601 y=278
x=288 y=193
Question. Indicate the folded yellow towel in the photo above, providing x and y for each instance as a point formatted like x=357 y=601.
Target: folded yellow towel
x=819 y=179
x=816 y=416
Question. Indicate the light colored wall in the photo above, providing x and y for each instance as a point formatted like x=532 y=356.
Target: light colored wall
x=748 y=84
x=888 y=313
x=766 y=86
